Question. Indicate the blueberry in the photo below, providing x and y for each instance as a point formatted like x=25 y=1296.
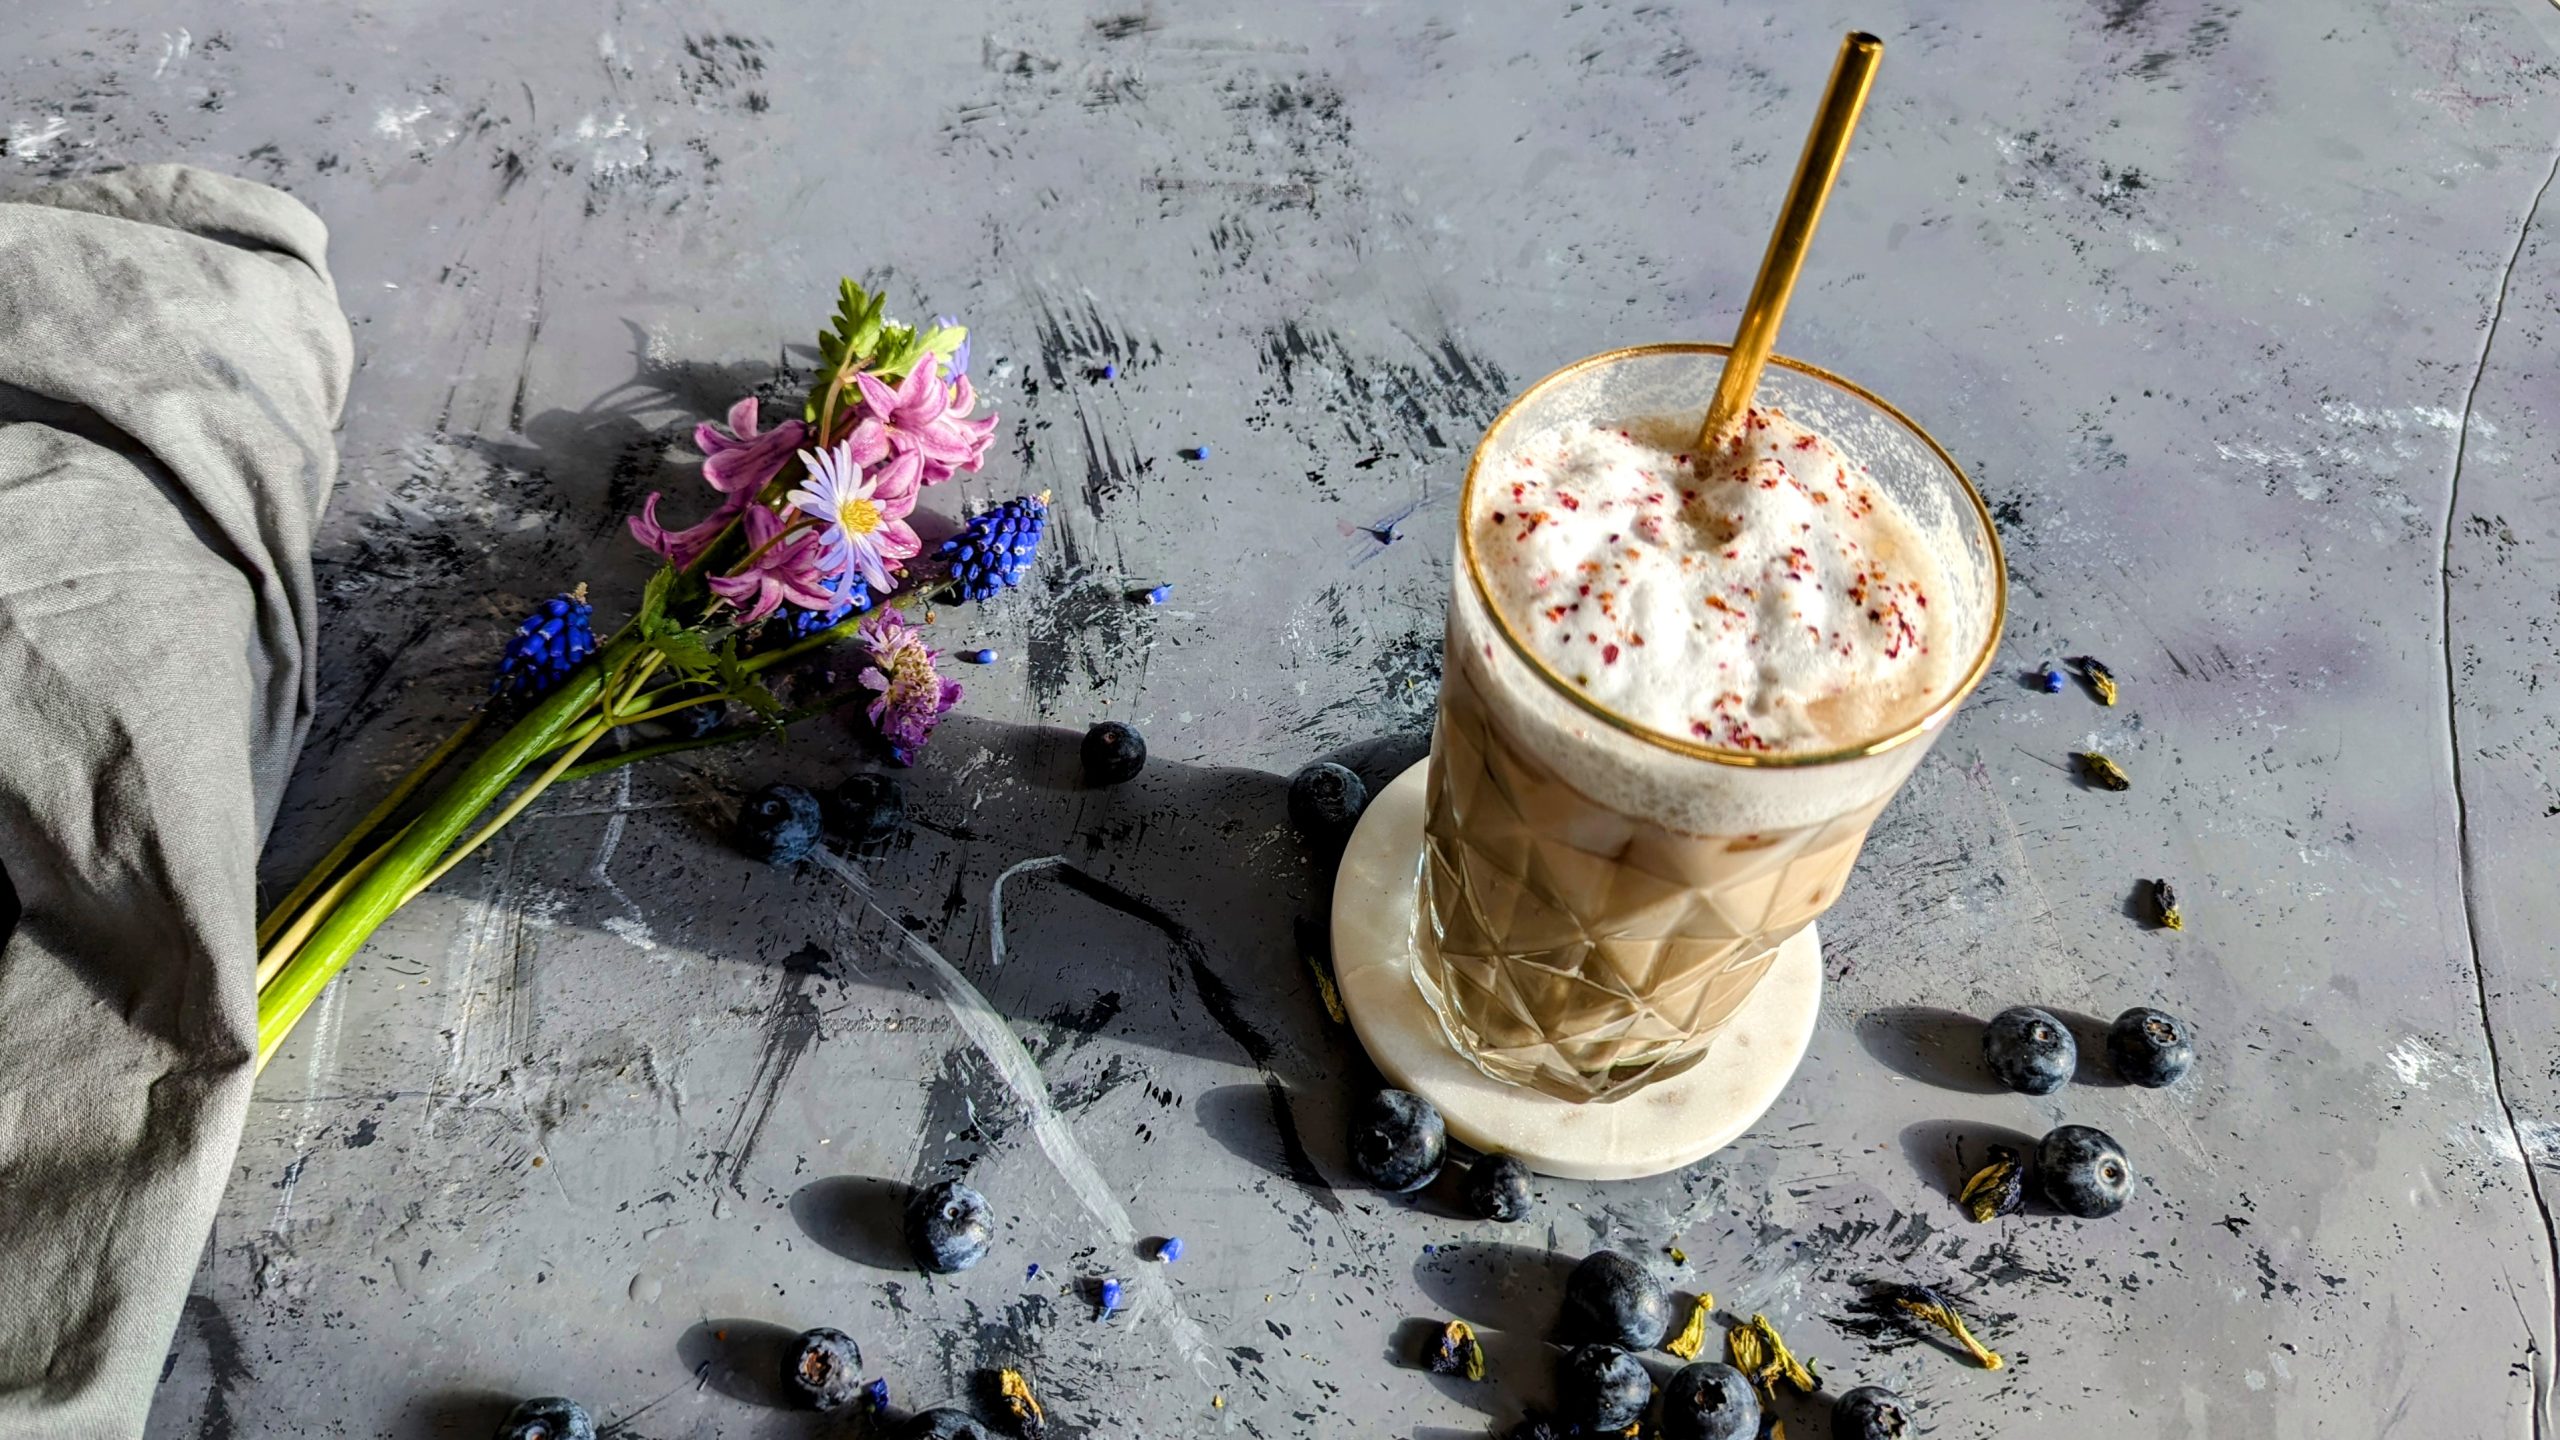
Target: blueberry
x=1534 y=1426
x=1601 y=1388
x=1614 y=1299
x=1498 y=1188
x=1397 y=1140
x=1709 y=1401
x=2029 y=1050
x=1325 y=801
x=696 y=721
x=779 y=825
x=949 y=1227
x=1870 y=1412
x=2150 y=1047
x=2083 y=1171
x=550 y=1417
x=942 y=1424
x=867 y=808
x=1113 y=752
x=823 y=1368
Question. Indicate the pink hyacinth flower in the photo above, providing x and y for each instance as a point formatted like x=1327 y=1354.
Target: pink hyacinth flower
x=738 y=462
x=930 y=419
x=792 y=570
x=743 y=458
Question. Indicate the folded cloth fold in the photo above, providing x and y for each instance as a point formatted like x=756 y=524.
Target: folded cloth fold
x=172 y=364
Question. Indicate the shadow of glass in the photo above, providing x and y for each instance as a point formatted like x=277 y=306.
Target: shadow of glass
x=860 y=1217
x=1933 y=1046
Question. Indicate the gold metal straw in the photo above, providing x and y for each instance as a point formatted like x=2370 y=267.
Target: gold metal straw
x=1851 y=77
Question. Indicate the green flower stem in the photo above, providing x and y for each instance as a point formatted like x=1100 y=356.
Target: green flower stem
x=616 y=761
x=319 y=874
x=841 y=630
x=372 y=900
x=602 y=725
x=273 y=959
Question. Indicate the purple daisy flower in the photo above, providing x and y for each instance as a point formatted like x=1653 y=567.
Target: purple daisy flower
x=862 y=517
x=912 y=696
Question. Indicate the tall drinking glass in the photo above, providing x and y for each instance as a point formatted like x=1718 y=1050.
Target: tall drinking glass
x=1603 y=895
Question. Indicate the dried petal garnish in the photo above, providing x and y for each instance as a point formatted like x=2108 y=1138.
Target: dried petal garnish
x=2102 y=681
x=1756 y=1351
x=1019 y=1407
x=2102 y=772
x=1998 y=1188
x=1693 y=1336
x=1921 y=1302
x=1455 y=1351
x=2164 y=906
x=1315 y=946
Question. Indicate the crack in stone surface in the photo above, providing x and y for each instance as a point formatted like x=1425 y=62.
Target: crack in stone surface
x=2462 y=813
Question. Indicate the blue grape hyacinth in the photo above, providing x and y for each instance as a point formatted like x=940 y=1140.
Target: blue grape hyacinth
x=805 y=623
x=995 y=549
x=551 y=642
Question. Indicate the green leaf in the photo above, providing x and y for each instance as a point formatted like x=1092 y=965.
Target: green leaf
x=685 y=651
x=653 y=599
x=744 y=688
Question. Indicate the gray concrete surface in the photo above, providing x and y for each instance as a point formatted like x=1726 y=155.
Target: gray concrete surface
x=2239 y=311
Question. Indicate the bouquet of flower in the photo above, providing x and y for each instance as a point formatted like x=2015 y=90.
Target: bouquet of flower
x=808 y=541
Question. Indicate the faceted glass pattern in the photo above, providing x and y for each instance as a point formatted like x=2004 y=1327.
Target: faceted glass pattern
x=1582 y=951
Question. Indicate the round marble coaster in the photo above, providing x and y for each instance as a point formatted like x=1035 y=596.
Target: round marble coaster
x=1376 y=929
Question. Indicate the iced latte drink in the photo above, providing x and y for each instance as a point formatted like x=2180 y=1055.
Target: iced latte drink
x=1677 y=689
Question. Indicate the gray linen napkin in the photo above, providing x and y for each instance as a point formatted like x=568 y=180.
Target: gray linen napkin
x=172 y=362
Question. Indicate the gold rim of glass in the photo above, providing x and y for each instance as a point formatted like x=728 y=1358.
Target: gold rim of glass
x=1939 y=708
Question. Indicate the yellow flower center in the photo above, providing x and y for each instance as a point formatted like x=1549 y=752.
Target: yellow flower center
x=860 y=517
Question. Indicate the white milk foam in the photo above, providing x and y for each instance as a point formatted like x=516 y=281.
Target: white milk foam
x=1774 y=598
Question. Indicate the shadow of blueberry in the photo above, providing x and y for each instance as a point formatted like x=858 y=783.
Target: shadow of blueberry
x=860 y=1217
x=741 y=1359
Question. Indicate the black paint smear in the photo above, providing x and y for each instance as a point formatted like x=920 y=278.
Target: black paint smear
x=361 y=1136
x=1126 y=27
x=791 y=1026
x=222 y=1358
x=1105 y=1008
x=1313 y=371
x=1081 y=624
x=1106 y=476
x=967 y=1109
x=1220 y=1001
x=1076 y=341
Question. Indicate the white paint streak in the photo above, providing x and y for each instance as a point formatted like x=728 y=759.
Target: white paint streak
x=321 y=1036
x=995 y=1040
x=173 y=51
x=633 y=927
x=2414 y=1061
x=28 y=141
x=995 y=902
